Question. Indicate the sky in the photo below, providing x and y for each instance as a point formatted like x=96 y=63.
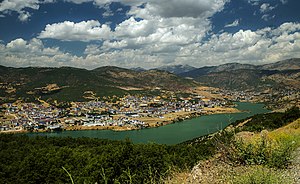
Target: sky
x=147 y=33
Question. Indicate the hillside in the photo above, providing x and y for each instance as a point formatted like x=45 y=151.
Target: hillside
x=221 y=68
x=146 y=79
x=254 y=80
x=67 y=83
x=234 y=76
x=289 y=64
x=261 y=149
x=71 y=83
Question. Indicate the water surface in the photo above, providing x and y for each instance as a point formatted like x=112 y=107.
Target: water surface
x=172 y=133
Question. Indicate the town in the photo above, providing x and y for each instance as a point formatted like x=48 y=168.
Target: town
x=279 y=99
x=131 y=112
x=125 y=113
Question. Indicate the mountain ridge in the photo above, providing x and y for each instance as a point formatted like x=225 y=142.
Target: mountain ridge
x=176 y=69
x=279 y=65
x=112 y=80
x=227 y=66
x=23 y=83
x=234 y=76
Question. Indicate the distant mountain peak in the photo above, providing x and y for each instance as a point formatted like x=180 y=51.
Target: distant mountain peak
x=138 y=69
x=176 y=69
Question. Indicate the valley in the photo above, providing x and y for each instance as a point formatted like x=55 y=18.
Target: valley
x=37 y=99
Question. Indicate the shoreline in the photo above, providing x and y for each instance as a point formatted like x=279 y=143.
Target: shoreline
x=152 y=122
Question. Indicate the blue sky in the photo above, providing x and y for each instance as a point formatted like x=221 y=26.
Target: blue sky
x=147 y=33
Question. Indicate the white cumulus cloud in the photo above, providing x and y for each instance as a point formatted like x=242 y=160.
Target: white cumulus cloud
x=7 y=6
x=17 y=5
x=133 y=28
x=24 y=16
x=187 y=8
x=22 y=6
x=179 y=8
x=155 y=34
x=82 y=31
x=244 y=46
x=20 y=53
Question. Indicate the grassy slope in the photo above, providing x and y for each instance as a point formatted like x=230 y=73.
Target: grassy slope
x=253 y=157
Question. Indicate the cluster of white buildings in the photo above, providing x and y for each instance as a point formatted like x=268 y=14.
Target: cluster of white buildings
x=128 y=109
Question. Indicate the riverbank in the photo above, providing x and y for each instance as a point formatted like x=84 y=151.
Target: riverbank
x=151 y=122
x=14 y=131
x=173 y=133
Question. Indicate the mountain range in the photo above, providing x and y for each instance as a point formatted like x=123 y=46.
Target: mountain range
x=289 y=64
x=67 y=83
x=234 y=76
x=176 y=69
x=187 y=70
x=75 y=84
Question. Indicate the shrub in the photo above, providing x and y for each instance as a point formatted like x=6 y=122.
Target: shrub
x=271 y=149
x=261 y=175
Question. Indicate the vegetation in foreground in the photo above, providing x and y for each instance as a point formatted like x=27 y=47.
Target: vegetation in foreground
x=41 y=160
x=261 y=175
x=264 y=157
x=270 y=121
x=255 y=157
x=46 y=160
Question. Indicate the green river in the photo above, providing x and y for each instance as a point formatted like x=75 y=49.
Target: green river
x=172 y=133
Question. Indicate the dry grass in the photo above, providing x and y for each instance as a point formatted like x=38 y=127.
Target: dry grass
x=177 y=177
x=270 y=149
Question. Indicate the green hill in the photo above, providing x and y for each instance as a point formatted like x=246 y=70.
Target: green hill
x=71 y=83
